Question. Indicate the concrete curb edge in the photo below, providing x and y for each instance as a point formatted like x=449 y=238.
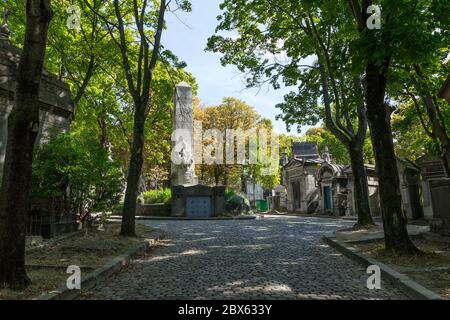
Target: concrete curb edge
x=143 y=218
x=94 y=277
x=399 y=280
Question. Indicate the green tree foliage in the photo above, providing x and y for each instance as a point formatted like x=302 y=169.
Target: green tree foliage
x=234 y=114
x=302 y=44
x=325 y=138
x=77 y=171
x=89 y=61
x=338 y=151
x=411 y=138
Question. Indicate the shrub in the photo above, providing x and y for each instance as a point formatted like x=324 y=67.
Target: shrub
x=229 y=193
x=79 y=173
x=157 y=196
x=237 y=203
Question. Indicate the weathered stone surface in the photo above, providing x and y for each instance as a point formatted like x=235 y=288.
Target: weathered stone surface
x=440 y=194
x=183 y=160
x=182 y=194
x=56 y=105
x=270 y=258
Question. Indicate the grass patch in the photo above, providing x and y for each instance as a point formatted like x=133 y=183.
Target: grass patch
x=47 y=265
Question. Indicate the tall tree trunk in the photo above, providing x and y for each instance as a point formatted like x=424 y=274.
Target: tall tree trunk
x=141 y=93
x=23 y=127
x=394 y=218
x=134 y=173
x=361 y=188
x=354 y=144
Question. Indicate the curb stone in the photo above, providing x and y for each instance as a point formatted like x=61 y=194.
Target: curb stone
x=401 y=281
x=143 y=218
x=98 y=275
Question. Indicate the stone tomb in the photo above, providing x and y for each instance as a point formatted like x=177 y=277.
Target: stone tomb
x=198 y=201
x=189 y=199
x=56 y=113
x=440 y=193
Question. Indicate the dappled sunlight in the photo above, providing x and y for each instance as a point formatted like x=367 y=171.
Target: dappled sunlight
x=201 y=239
x=193 y=252
x=258 y=259
x=253 y=246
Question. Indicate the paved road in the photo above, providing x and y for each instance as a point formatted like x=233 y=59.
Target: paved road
x=269 y=258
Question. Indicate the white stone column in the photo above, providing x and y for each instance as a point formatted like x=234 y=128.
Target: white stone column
x=183 y=155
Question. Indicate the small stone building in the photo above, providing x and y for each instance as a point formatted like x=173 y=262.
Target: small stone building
x=410 y=187
x=56 y=104
x=372 y=183
x=332 y=183
x=430 y=169
x=337 y=195
x=316 y=185
x=299 y=177
x=56 y=113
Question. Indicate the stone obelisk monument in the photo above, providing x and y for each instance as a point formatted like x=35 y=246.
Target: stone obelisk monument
x=183 y=160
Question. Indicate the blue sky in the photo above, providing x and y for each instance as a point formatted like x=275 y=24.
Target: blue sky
x=187 y=39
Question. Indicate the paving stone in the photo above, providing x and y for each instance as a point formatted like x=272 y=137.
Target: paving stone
x=271 y=258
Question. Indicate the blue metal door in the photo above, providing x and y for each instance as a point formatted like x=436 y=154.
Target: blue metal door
x=327 y=198
x=198 y=207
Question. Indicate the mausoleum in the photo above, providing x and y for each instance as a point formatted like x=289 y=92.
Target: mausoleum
x=56 y=113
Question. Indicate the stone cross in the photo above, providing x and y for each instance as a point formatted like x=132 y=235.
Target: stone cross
x=183 y=163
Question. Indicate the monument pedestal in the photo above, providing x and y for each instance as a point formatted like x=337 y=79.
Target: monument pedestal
x=198 y=201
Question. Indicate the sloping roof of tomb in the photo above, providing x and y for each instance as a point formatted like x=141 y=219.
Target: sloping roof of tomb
x=305 y=150
x=370 y=169
x=337 y=170
x=53 y=92
x=300 y=161
x=408 y=164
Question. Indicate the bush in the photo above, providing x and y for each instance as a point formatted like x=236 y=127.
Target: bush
x=157 y=196
x=229 y=193
x=236 y=202
x=78 y=173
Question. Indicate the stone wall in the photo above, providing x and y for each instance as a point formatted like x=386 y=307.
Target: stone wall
x=56 y=105
x=440 y=193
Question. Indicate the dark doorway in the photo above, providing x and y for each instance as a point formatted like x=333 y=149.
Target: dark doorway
x=327 y=198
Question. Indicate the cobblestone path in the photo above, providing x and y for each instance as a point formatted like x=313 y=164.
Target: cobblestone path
x=268 y=258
